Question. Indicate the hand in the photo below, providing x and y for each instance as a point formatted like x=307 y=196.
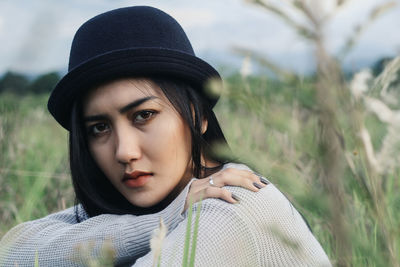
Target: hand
x=202 y=188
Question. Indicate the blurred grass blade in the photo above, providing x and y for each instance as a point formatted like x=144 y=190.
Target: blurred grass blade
x=36 y=259
x=195 y=232
x=301 y=29
x=262 y=60
x=156 y=242
x=187 y=236
x=377 y=12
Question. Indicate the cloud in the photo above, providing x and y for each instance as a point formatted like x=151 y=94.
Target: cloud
x=39 y=37
x=193 y=17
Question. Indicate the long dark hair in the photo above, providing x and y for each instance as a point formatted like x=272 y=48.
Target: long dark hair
x=92 y=188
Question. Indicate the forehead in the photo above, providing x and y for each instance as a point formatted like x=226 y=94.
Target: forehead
x=121 y=92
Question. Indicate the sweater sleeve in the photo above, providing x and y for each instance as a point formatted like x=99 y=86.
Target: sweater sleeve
x=264 y=229
x=221 y=241
x=59 y=240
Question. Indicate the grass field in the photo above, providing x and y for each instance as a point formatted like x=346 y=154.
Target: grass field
x=273 y=126
x=34 y=176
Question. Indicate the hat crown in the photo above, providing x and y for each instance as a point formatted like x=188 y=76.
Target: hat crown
x=128 y=42
x=137 y=27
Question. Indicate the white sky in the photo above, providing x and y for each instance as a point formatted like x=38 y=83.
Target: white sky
x=35 y=36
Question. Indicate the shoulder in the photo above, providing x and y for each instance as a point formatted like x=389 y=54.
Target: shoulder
x=269 y=198
x=234 y=165
x=267 y=208
x=70 y=215
x=268 y=223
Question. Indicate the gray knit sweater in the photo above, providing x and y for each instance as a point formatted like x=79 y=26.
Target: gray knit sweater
x=264 y=229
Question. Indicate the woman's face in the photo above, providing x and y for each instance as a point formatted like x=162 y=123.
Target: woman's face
x=138 y=140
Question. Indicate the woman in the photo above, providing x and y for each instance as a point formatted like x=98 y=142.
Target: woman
x=141 y=127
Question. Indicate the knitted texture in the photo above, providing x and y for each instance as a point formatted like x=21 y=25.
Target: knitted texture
x=60 y=240
x=264 y=229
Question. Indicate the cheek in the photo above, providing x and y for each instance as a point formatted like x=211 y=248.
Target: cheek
x=102 y=155
x=170 y=141
x=96 y=153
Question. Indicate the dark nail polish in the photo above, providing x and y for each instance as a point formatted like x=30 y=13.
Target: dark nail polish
x=235 y=197
x=257 y=185
x=263 y=180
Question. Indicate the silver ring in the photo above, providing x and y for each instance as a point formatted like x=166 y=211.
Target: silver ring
x=211 y=181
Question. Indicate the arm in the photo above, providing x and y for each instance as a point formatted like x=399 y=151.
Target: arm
x=264 y=229
x=59 y=240
x=222 y=240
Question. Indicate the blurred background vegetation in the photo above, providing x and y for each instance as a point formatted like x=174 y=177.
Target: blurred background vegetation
x=329 y=140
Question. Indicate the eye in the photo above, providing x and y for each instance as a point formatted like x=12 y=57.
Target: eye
x=98 y=129
x=143 y=116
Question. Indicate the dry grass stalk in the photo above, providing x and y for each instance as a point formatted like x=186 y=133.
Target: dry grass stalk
x=156 y=242
x=386 y=160
x=332 y=95
x=378 y=11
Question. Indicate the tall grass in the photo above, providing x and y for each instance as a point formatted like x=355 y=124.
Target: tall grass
x=271 y=125
x=320 y=149
x=276 y=129
x=34 y=176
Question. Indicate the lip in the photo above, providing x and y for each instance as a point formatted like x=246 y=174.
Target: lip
x=136 y=179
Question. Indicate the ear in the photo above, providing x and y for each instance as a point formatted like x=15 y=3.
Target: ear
x=204 y=123
x=204 y=126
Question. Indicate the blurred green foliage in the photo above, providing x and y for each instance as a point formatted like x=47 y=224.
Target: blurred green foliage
x=20 y=84
x=34 y=174
x=14 y=82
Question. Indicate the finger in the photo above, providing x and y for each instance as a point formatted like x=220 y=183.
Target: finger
x=198 y=185
x=242 y=178
x=258 y=180
x=211 y=192
x=229 y=176
x=202 y=189
x=216 y=192
x=230 y=172
x=262 y=179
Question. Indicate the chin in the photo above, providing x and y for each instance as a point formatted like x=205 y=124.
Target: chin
x=148 y=198
x=146 y=202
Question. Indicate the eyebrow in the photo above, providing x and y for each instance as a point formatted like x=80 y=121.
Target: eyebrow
x=136 y=103
x=124 y=109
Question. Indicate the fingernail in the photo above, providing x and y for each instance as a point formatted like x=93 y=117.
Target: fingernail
x=235 y=197
x=257 y=185
x=263 y=180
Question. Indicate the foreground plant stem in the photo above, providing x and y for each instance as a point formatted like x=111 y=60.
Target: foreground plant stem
x=331 y=146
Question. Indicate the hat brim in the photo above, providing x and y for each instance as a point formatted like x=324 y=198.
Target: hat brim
x=126 y=63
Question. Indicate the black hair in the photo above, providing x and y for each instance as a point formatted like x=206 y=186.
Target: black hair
x=92 y=188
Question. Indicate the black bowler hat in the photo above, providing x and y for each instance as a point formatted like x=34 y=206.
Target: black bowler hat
x=125 y=42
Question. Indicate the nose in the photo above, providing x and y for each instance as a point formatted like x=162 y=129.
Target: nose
x=127 y=145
